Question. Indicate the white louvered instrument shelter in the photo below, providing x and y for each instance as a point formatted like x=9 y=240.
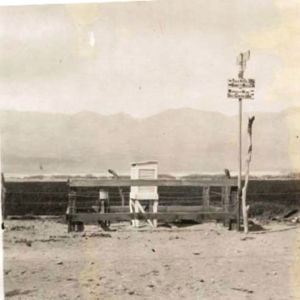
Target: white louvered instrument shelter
x=144 y=170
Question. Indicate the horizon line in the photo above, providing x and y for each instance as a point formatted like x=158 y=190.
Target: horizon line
x=151 y=115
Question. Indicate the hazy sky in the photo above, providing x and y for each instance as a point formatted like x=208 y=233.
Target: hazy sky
x=144 y=57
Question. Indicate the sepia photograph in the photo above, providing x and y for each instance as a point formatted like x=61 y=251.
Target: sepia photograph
x=150 y=150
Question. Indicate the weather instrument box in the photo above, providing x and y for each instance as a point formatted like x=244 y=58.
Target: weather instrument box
x=144 y=170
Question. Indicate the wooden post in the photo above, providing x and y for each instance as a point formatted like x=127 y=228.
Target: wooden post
x=136 y=210
x=107 y=208
x=73 y=208
x=73 y=202
x=155 y=210
x=244 y=191
x=132 y=209
x=3 y=198
x=115 y=175
x=226 y=191
x=153 y=207
x=102 y=197
x=205 y=198
x=150 y=206
x=235 y=207
x=150 y=209
x=80 y=225
x=69 y=210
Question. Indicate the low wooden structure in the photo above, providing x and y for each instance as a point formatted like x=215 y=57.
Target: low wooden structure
x=227 y=212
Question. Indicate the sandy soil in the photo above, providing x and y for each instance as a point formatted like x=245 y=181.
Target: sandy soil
x=43 y=261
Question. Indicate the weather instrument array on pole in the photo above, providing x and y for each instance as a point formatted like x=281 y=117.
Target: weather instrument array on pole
x=241 y=88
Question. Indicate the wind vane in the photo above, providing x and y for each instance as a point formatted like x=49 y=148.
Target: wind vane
x=241 y=61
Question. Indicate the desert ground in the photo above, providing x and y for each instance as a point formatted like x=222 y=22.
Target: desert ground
x=187 y=261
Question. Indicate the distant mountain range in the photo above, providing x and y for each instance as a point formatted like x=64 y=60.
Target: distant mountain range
x=181 y=140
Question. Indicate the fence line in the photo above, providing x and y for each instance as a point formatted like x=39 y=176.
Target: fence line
x=127 y=193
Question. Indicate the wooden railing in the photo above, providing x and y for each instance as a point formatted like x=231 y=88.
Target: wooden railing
x=227 y=212
x=150 y=182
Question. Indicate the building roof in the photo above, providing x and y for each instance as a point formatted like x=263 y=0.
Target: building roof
x=144 y=163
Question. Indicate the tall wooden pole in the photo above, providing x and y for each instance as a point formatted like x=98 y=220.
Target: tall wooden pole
x=240 y=165
x=240 y=94
x=241 y=75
